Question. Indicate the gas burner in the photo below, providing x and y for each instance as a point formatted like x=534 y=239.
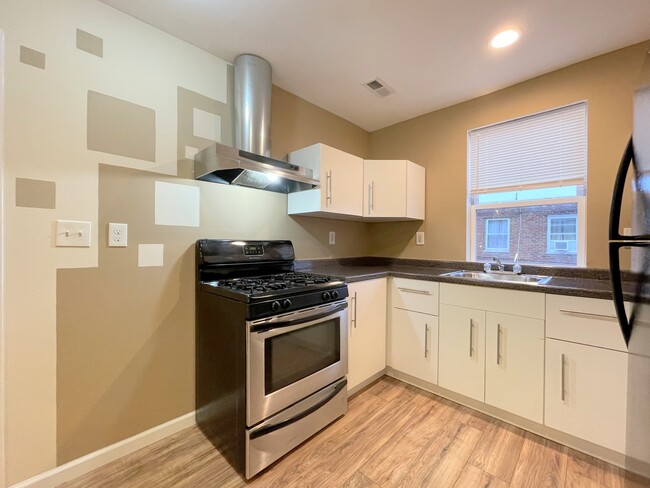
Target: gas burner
x=273 y=283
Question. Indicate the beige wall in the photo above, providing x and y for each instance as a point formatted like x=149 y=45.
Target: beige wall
x=97 y=347
x=297 y=124
x=438 y=140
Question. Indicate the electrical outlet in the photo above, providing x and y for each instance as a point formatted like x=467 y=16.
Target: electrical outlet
x=117 y=235
x=332 y=238
x=627 y=231
x=72 y=233
x=419 y=238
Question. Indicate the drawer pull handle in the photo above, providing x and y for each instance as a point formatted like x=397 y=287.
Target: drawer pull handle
x=589 y=314
x=426 y=340
x=499 y=344
x=413 y=290
x=471 y=337
x=563 y=380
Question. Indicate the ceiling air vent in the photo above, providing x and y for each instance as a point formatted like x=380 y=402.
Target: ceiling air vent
x=379 y=87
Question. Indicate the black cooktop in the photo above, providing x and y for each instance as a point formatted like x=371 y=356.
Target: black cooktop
x=276 y=285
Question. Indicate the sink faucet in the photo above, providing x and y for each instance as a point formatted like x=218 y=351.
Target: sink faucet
x=500 y=265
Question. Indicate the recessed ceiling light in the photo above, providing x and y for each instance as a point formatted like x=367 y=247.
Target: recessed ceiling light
x=504 y=38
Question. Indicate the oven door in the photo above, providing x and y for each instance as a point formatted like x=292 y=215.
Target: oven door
x=293 y=355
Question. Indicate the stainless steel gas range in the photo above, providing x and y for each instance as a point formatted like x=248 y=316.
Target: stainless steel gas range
x=271 y=350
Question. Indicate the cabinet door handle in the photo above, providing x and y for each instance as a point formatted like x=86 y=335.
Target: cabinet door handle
x=471 y=338
x=563 y=376
x=498 y=343
x=589 y=314
x=369 y=197
x=354 y=316
x=372 y=196
x=426 y=340
x=328 y=197
x=413 y=290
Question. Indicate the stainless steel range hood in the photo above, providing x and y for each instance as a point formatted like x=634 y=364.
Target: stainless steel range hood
x=224 y=164
x=249 y=163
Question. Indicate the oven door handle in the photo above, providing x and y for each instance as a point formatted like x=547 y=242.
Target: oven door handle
x=297 y=318
x=267 y=429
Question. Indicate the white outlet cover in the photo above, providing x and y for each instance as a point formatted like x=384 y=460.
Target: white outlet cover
x=72 y=233
x=117 y=235
x=332 y=237
x=419 y=238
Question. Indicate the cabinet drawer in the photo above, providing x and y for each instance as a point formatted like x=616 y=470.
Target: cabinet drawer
x=415 y=295
x=513 y=302
x=588 y=321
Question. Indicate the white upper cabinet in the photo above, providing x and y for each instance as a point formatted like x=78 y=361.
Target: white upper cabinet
x=354 y=189
x=393 y=190
x=341 y=180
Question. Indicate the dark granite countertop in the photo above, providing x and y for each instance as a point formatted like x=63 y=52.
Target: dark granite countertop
x=581 y=282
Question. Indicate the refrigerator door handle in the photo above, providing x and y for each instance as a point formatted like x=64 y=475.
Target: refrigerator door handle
x=617 y=289
x=617 y=196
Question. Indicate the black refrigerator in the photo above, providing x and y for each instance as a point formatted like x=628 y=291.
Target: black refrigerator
x=634 y=173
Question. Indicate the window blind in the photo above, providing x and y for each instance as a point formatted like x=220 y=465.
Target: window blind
x=545 y=149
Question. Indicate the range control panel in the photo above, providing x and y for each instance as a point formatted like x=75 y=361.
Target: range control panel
x=254 y=250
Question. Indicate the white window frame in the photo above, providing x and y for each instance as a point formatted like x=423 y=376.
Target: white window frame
x=497 y=249
x=581 y=247
x=548 y=234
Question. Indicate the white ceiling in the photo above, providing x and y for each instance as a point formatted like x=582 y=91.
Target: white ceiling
x=434 y=53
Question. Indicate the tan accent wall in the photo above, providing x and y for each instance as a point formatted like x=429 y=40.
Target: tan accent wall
x=438 y=140
x=296 y=123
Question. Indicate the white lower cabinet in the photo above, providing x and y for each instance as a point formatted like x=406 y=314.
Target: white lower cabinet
x=586 y=392
x=514 y=365
x=461 y=350
x=492 y=356
x=366 y=330
x=414 y=344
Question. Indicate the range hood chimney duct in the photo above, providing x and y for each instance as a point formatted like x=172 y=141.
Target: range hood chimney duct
x=249 y=163
x=253 y=104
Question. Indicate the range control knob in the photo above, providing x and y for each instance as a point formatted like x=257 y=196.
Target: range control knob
x=286 y=303
x=335 y=294
x=326 y=295
x=275 y=306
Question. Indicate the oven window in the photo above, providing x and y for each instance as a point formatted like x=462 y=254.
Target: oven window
x=295 y=355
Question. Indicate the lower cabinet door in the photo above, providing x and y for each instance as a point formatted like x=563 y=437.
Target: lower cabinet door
x=366 y=330
x=514 y=365
x=586 y=392
x=414 y=344
x=461 y=350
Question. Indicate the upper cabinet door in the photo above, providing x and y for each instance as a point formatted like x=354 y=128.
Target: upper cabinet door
x=340 y=178
x=393 y=189
x=341 y=182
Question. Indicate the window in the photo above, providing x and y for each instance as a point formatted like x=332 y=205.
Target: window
x=562 y=234
x=497 y=235
x=526 y=188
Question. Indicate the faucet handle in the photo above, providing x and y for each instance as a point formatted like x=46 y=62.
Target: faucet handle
x=516 y=269
x=487 y=267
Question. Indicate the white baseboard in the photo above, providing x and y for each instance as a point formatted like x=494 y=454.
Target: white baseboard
x=94 y=460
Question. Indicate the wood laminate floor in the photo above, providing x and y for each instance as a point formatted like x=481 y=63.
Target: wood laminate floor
x=394 y=435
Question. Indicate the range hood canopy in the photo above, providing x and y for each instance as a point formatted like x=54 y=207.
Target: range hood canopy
x=219 y=163
x=249 y=163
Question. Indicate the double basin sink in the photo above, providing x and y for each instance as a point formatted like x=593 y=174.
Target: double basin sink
x=500 y=276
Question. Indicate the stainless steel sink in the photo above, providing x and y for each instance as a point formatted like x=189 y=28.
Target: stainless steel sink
x=502 y=276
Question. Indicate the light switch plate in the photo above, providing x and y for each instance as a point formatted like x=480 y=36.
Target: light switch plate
x=332 y=238
x=419 y=238
x=117 y=235
x=72 y=233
